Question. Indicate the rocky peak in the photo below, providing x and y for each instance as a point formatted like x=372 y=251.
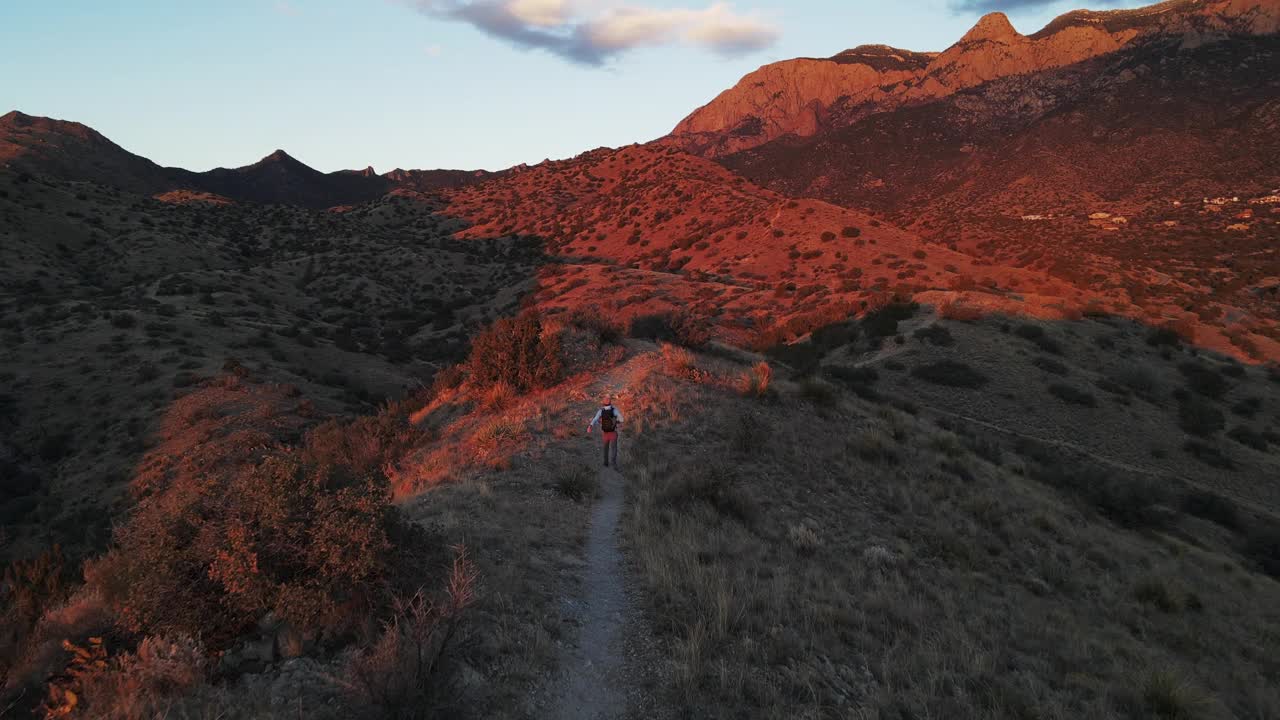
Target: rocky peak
x=805 y=95
x=992 y=27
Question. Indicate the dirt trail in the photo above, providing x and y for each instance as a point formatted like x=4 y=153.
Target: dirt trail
x=593 y=682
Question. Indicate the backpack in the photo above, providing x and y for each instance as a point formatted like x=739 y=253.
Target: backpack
x=607 y=420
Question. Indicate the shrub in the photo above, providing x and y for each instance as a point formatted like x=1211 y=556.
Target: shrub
x=935 y=334
x=1049 y=365
x=1203 y=380
x=712 y=487
x=858 y=379
x=1163 y=337
x=1262 y=545
x=606 y=330
x=817 y=392
x=578 y=484
x=1246 y=436
x=750 y=434
x=400 y=675
x=1037 y=335
x=1140 y=380
x=755 y=381
x=951 y=373
x=1130 y=501
x=1212 y=507
x=1072 y=394
x=1208 y=454
x=139 y=684
x=1155 y=592
x=883 y=321
x=678 y=327
x=1199 y=417
x=676 y=360
x=850 y=232
x=248 y=526
x=515 y=351
x=27 y=588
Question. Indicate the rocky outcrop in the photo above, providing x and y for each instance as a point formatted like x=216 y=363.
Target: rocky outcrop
x=803 y=96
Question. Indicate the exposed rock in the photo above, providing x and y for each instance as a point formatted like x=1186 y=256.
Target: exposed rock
x=802 y=96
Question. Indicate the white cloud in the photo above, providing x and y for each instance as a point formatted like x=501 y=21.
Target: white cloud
x=433 y=51
x=593 y=31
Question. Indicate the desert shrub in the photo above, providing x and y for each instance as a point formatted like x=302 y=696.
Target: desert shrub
x=1165 y=695
x=1037 y=335
x=1131 y=501
x=447 y=379
x=304 y=532
x=139 y=684
x=860 y=380
x=1156 y=593
x=817 y=391
x=401 y=675
x=875 y=446
x=676 y=360
x=1199 y=416
x=935 y=334
x=1262 y=545
x=712 y=487
x=1072 y=394
x=677 y=327
x=1212 y=507
x=1049 y=365
x=951 y=373
x=578 y=483
x=883 y=321
x=606 y=330
x=755 y=381
x=515 y=351
x=1140 y=380
x=1203 y=380
x=1247 y=407
x=1163 y=337
x=749 y=434
x=1210 y=455
x=27 y=588
x=850 y=232
x=1248 y=437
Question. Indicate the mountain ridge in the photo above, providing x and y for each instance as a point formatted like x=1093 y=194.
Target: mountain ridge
x=71 y=150
x=802 y=96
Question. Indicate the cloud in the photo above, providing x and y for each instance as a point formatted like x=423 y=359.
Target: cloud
x=986 y=6
x=587 y=32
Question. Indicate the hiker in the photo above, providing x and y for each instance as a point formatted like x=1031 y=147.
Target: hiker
x=610 y=420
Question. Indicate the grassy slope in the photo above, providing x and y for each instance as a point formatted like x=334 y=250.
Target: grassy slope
x=819 y=555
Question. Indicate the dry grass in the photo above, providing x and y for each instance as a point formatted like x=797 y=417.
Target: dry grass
x=901 y=573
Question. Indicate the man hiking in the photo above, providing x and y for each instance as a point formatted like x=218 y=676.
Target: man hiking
x=610 y=420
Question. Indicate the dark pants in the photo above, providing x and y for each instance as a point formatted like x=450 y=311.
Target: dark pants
x=610 y=448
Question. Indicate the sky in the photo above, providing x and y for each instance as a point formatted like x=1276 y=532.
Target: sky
x=425 y=83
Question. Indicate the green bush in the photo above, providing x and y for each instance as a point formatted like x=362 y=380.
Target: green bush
x=579 y=483
x=515 y=351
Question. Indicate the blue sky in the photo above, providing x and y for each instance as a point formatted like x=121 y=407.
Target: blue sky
x=423 y=83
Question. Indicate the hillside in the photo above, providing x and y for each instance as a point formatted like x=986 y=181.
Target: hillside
x=803 y=97
x=65 y=150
